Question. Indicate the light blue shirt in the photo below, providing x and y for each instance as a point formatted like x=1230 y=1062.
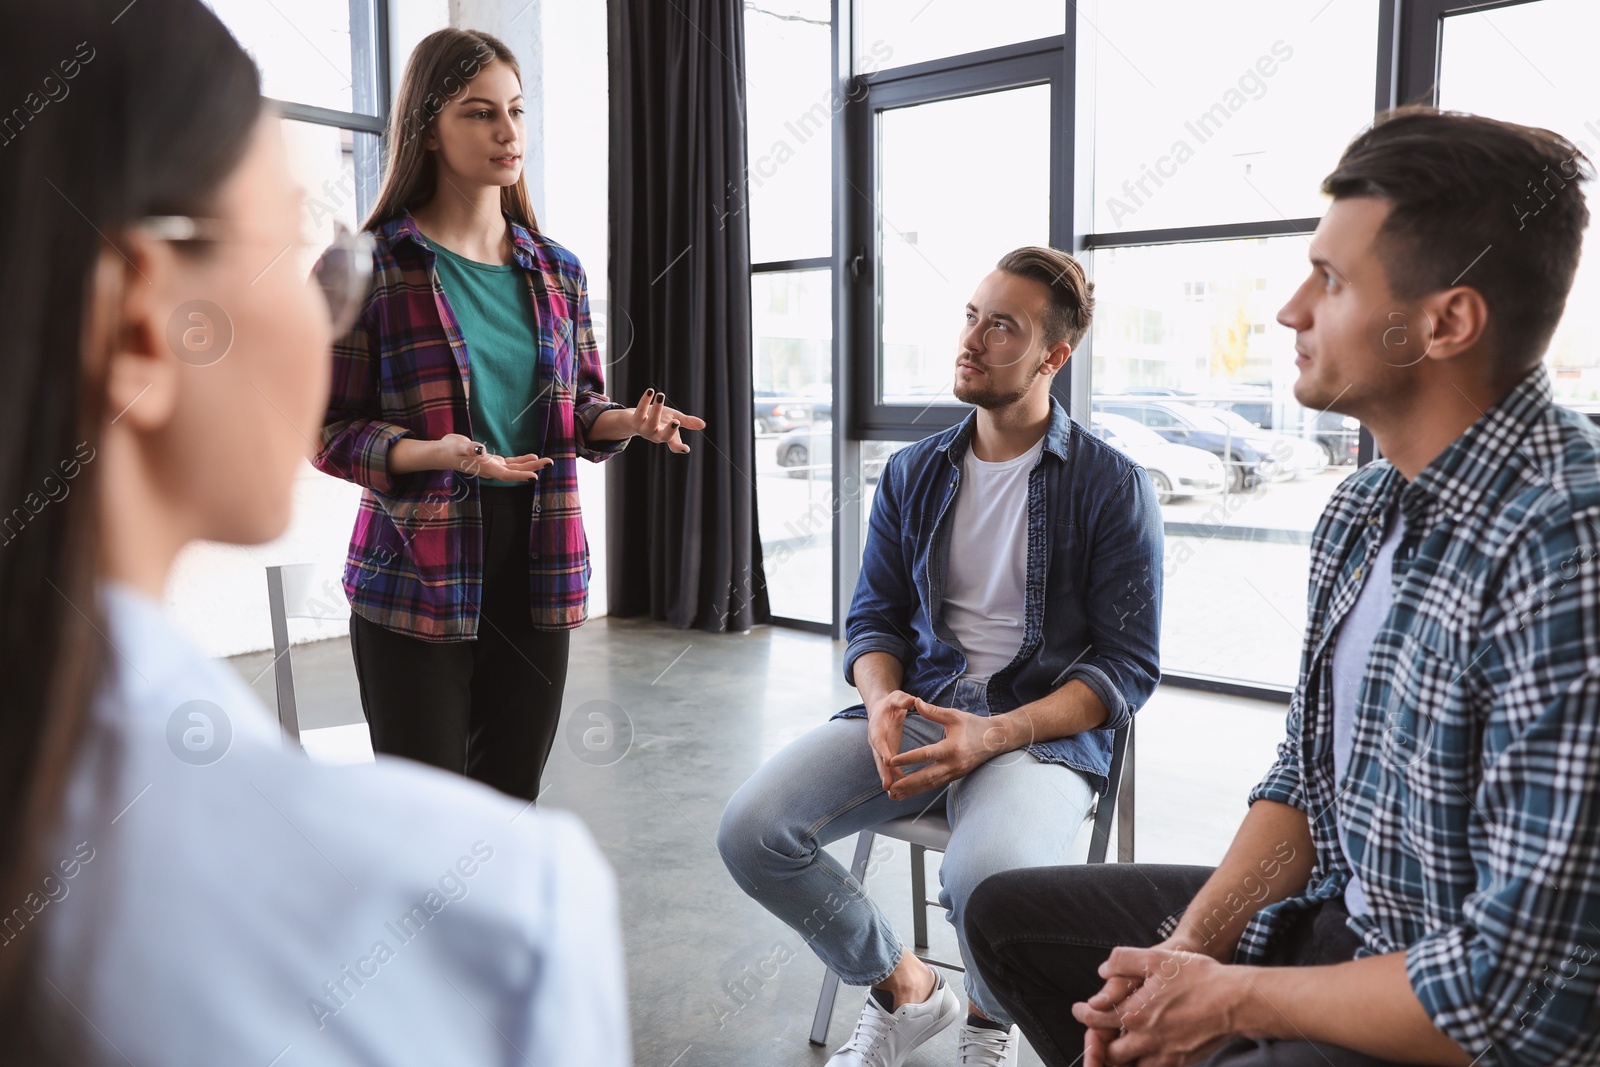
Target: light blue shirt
x=228 y=901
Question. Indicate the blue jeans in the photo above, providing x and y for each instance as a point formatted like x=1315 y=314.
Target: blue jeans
x=1013 y=811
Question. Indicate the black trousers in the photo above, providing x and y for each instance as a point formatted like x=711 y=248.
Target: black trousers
x=487 y=708
x=1037 y=936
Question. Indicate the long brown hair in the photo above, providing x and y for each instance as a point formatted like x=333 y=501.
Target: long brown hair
x=438 y=71
x=108 y=127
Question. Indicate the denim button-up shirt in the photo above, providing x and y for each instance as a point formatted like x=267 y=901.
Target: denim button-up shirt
x=1091 y=604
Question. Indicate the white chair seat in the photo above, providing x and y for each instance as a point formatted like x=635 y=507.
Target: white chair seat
x=930 y=830
x=338 y=745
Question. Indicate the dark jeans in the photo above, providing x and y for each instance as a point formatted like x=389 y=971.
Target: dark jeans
x=1037 y=935
x=486 y=708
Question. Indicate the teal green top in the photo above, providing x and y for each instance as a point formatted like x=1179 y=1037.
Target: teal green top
x=495 y=312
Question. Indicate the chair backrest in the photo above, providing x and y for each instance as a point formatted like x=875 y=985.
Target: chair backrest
x=310 y=591
x=297 y=591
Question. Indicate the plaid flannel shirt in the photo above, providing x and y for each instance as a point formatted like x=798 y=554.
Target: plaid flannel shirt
x=1471 y=806
x=415 y=563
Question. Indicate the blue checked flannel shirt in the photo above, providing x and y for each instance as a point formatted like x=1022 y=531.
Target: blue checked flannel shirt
x=1471 y=806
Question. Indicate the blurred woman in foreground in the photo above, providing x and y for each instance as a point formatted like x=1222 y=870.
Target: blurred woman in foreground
x=178 y=886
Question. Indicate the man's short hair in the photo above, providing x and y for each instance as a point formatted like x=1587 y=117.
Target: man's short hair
x=1475 y=201
x=1071 y=304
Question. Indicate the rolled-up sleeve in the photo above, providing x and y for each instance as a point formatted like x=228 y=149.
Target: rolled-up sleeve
x=886 y=597
x=1123 y=662
x=355 y=441
x=589 y=399
x=1520 y=973
x=1283 y=781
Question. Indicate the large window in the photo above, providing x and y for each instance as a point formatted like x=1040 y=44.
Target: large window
x=326 y=67
x=791 y=312
x=945 y=217
x=304 y=49
x=902 y=32
x=1183 y=166
x=791 y=109
x=954 y=162
x=1211 y=139
x=1178 y=149
x=322 y=160
x=1193 y=378
x=790 y=124
x=1223 y=112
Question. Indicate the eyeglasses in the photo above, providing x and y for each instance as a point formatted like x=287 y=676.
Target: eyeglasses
x=343 y=271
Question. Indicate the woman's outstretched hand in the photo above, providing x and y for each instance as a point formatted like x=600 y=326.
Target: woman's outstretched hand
x=653 y=420
x=462 y=453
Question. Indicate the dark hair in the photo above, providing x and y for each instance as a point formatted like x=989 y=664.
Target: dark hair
x=1071 y=292
x=1479 y=202
x=439 y=68
x=108 y=124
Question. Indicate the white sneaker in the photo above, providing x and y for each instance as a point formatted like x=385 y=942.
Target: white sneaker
x=981 y=1047
x=884 y=1039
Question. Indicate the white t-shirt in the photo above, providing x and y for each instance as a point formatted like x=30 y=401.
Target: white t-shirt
x=237 y=903
x=1352 y=648
x=987 y=572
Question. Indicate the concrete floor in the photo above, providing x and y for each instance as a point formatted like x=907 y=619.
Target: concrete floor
x=704 y=711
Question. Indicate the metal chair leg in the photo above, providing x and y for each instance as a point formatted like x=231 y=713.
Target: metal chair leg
x=919 y=898
x=830 y=981
x=282 y=669
x=819 y=1023
x=1105 y=805
x=1125 y=805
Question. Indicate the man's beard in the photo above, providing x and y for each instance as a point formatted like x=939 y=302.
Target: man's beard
x=992 y=399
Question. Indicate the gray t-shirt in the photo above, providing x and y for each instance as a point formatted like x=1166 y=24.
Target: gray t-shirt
x=1351 y=650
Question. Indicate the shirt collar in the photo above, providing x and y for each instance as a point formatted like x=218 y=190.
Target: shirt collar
x=1457 y=478
x=1055 y=438
x=145 y=648
x=154 y=668
x=525 y=250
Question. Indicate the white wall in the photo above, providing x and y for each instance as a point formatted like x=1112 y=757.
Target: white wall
x=218 y=592
x=409 y=22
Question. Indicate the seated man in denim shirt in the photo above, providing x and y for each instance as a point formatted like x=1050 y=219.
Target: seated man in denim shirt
x=1417 y=879
x=1004 y=625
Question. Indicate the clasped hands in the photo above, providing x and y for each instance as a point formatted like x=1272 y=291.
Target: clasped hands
x=1165 y=1006
x=969 y=740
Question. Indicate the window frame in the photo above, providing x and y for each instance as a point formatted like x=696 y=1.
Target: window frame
x=370 y=98
x=780 y=266
x=1408 y=43
x=1047 y=61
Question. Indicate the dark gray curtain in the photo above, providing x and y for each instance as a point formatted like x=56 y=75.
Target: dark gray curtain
x=682 y=534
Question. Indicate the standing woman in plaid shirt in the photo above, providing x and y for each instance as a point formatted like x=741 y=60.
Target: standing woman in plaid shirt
x=461 y=402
